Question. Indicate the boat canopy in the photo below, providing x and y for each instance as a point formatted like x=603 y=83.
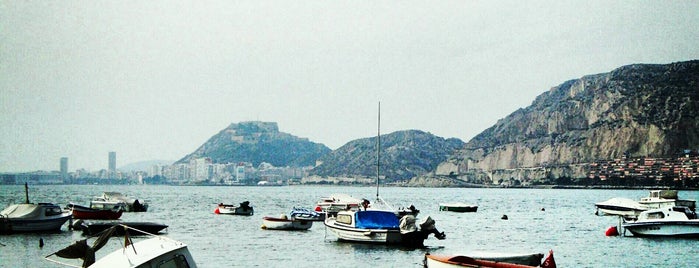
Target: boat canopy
x=22 y=211
x=376 y=219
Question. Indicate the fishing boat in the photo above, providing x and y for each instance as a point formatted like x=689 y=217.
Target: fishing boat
x=82 y=212
x=667 y=221
x=28 y=217
x=490 y=260
x=285 y=223
x=131 y=204
x=380 y=223
x=243 y=209
x=157 y=251
x=457 y=207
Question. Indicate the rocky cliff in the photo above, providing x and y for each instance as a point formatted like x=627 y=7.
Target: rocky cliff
x=638 y=110
x=257 y=142
x=404 y=154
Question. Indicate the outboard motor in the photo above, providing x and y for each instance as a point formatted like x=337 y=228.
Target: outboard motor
x=413 y=237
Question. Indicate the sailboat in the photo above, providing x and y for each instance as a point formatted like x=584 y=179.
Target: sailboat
x=379 y=223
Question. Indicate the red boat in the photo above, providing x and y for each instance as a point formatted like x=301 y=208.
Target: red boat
x=81 y=212
x=515 y=261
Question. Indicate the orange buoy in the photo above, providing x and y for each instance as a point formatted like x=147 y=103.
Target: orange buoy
x=216 y=211
x=318 y=209
x=612 y=231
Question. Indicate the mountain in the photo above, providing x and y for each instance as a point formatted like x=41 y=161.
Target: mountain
x=404 y=154
x=635 y=110
x=258 y=142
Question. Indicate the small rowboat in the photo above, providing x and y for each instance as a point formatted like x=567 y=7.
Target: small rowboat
x=500 y=261
x=457 y=207
x=284 y=223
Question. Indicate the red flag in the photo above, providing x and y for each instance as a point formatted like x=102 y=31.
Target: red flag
x=549 y=262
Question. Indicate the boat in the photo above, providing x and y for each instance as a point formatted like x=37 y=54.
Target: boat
x=490 y=260
x=381 y=227
x=306 y=214
x=131 y=204
x=157 y=251
x=29 y=217
x=666 y=198
x=243 y=209
x=675 y=221
x=379 y=223
x=82 y=212
x=285 y=223
x=338 y=202
x=620 y=206
x=96 y=227
x=458 y=207
x=41 y=217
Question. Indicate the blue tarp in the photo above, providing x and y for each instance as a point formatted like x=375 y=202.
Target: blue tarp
x=376 y=219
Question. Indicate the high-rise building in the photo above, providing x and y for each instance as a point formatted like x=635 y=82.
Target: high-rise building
x=112 y=164
x=64 y=168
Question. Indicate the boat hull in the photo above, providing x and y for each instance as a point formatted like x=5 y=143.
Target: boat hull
x=688 y=228
x=446 y=261
x=85 y=213
x=458 y=208
x=373 y=236
x=235 y=211
x=272 y=223
x=41 y=225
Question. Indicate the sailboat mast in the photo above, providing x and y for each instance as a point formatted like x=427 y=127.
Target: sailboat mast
x=378 y=153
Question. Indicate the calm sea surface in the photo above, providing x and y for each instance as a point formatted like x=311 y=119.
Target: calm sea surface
x=568 y=225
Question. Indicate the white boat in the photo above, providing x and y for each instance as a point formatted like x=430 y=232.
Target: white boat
x=40 y=217
x=157 y=251
x=284 y=223
x=132 y=204
x=378 y=222
x=493 y=260
x=338 y=202
x=30 y=217
x=243 y=209
x=668 y=221
x=380 y=227
x=666 y=198
x=619 y=206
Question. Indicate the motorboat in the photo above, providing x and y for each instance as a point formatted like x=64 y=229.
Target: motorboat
x=157 y=251
x=338 y=202
x=285 y=223
x=139 y=228
x=82 y=212
x=243 y=209
x=41 y=217
x=497 y=260
x=666 y=198
x=620 y=206
x=307 y=214
x=667 y=221
x=100 y=203
x=380 y=227
x=132 y=204
x=29 y=217
x=457 y=207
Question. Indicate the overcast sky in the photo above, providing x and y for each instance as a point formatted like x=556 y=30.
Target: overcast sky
x=156 y=79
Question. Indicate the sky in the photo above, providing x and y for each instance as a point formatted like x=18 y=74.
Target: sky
x=154 y=80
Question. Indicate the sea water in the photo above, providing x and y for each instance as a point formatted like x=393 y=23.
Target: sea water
x=539 y=220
